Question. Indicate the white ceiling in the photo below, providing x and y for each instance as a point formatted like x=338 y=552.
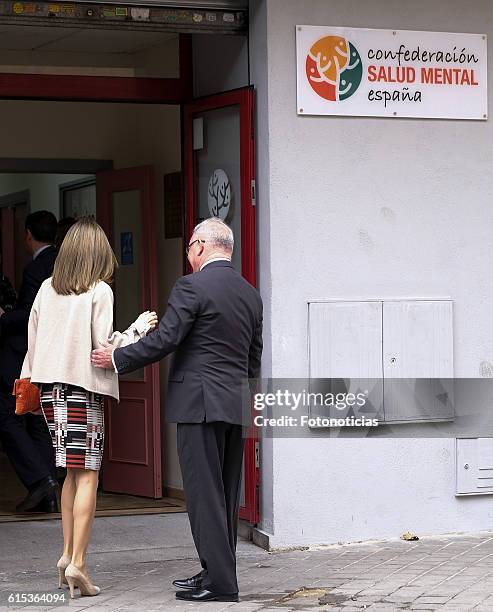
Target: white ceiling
x=31 y=38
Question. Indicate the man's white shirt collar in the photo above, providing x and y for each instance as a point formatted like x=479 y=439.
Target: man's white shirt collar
x=36 y=253
x=215 y=259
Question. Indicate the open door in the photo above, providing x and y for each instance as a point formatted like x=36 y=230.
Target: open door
x=7 y=224
x=125 y=210
x=220 y=181
x=13 y=253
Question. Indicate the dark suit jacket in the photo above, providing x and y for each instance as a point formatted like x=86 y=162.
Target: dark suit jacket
x=213 y=324
x=13 y=324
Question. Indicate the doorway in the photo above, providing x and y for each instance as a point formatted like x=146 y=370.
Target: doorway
x=105 y=137
x=72 y=195
x=220 y=175
x=129 y=135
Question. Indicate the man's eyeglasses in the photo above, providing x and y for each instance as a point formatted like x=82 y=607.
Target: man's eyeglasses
x=191 y=245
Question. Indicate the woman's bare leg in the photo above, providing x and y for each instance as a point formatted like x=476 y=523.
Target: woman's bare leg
x=68 y=495
x=86 y=484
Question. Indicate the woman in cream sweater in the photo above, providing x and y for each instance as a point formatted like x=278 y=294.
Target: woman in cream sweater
x=71 y=315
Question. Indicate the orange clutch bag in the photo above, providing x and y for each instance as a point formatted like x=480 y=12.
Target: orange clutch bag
x=26 y=396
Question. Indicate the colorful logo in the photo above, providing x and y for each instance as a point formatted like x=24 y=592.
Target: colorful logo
x=219 y=194
x=334 y=68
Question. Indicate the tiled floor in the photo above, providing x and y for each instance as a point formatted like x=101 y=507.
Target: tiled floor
x=134 y=559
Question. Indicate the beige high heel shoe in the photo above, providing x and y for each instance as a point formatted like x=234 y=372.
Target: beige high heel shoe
x=76 y=578
x=62 y=565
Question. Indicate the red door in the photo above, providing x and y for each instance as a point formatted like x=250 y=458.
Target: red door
x=7 y=220
x=14 y=255
x=219 y=167
x=125 y=209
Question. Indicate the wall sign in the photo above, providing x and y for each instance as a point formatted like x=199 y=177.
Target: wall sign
x=126 y=248
x=219 y=194
x=391 y=73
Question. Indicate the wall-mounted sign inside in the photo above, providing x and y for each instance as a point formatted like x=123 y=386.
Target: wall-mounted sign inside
x=219 y=194
x=391 y=73
x=126 y=248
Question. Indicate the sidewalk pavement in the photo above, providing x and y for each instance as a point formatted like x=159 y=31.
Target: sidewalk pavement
x=135 y=558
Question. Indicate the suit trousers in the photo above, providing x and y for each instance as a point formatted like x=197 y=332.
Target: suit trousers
x=27 y=442
x=211 y=456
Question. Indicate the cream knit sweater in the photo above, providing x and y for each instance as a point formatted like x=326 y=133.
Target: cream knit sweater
x=63 y=330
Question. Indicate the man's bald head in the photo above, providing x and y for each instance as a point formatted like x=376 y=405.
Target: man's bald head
x=217 y=233
x=210 y=239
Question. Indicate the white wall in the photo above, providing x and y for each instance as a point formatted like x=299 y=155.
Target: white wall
x=103 y=55
x=44 y=188
x=128 y=134
x=220 y=63
x=361 y=207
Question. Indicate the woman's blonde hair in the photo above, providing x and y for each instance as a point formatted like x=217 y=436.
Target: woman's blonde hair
x=85 y=258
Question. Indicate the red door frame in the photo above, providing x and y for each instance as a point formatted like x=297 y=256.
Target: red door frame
x=244 y=98
x=124 y=180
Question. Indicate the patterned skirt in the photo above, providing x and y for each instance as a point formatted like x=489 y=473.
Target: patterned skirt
x=75 y=418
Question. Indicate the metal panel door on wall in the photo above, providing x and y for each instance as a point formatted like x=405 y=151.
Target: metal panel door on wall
x=418 y=360
x=404 y=346
x=219 y=168
x=345 y=339
x=345 y=345
x=125 y=209
x=474 y=466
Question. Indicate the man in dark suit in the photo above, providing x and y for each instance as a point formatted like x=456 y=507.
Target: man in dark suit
x=213 y=325
x=26 y=439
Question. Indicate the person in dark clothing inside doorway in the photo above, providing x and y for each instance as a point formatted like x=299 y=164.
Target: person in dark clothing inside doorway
x=26 y=439
x=8 y=296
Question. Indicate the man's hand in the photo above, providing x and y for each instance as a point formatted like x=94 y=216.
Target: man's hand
x=101 y=357
x=2 y=311
x=153 y=321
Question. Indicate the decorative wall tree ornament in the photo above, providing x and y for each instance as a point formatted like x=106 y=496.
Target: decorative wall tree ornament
x=219 y=194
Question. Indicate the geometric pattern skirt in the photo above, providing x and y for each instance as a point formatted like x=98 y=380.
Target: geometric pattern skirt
x=75 y=418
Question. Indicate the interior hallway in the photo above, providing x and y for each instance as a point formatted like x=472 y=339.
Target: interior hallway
x=108 y=504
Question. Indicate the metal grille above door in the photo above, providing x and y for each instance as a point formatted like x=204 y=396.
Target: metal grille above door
x=220 y=16
x=230 y=5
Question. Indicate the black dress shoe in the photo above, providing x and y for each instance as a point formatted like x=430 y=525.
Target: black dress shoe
x=46 y=488
x=194 y=583
x=205 y=595
x=47 y=505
